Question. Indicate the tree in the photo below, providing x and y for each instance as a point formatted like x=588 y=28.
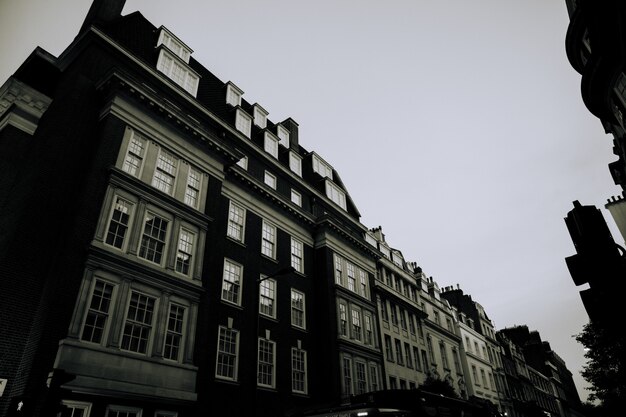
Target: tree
x=438 y=386
x=606 y=365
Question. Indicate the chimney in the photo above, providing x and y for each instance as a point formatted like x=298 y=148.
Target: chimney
x=102 y=11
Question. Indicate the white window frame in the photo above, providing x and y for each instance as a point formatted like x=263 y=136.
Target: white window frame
x=243 y=163
x=226 y=354
x=78 y=405
x=236 y=224
x=185 y=249
x=177 y=70
x=297 y=255
x=356 y=324
x=283 y=135
x=271 y=366
x=295 y=310
x=99 y=313
x=233 y=94
x=175 y=332
x=336 y=194
x=296 y=198
x=174 y=44
x=133 y=321
x=128 y=226
x=269 y=179
x=299 y=355
x=123 y=409
x=322 y=167
x=360 y=383
x=243 y=122
x=162 y=173
x=260 y=116
x=165 y=241
x=347 y=375
x=135 y=154
x=268 y=291
x=193 y=190
x=268 y=239
x=342 y=317
x=295 y=163
x=270 y=144
x=238 y=285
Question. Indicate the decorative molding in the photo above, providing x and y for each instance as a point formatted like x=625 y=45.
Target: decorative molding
x=21 y=106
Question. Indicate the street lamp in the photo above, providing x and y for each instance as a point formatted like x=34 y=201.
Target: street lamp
x=281 y=272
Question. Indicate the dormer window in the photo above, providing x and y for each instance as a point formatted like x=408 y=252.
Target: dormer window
x=260 y=116
x=321 y=167
x=233 y=94
x=295 y=163
x=243 y=122
x=178 y=71
x=174 y=44
x=385 y=250
x=397 y=259
x=336 y=194
x=369 y=238
x=283 y=135
x=271 y=144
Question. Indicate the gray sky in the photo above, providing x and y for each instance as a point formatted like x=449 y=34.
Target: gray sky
x=458 y=126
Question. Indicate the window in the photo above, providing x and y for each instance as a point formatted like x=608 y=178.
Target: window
x=416 y=356
x=449 y=325
x=493 y=384
x=373 y=378
x=475 y=375
x=412 y=324
x=361 y=378
x=388 y=348
x=270 y=144
x=174 y=45
x=243 y=122
x=347 y=376
x=119 y=223
x=403 y=320
x=483 y=378
x=268 y=240
x=295 y=163
x=236 y=222
x=394 y=315
x=484 y=352
x=369 y=333
x=436 y=317
x=231 y=283
x=363 y=283
x=76 y=408
x=296 y=198
x=267 y=297
x=227 y=352
x=476 y=349
x=425 y=360
x=298 y=371
x=119 y=411
x=270 y=180
x=165 y=172
x=267 y=358
x=402 y=384
x=407 y=353
x=467 y=344
x=393 y=382
x=399 y=355
x=297 y=261
x=98 y=313
x=185 y=251
x=429 y=346
x=260 y=116
x=321 y=167
x=343 y=319
x=233 y=94
x=192 y=192
x=336 y=194
x=351 y=277
x=383 y=311
x=135 y=154
x=178 y=71
x=138 y=325
x=298 y=317
x=444 y=355
x=338 y=270
x=455 y=358
x=283 y=135
x=174 y=333
x=153 y=238
x=356 y=325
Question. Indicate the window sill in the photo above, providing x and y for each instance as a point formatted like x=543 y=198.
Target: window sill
x=239 y=242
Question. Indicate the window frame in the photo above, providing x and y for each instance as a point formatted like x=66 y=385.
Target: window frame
x=233 y=92
x=126 y=164
x=181 y=334
x=166 y=64
x=295 y=163
x=270 y=179
x=243 y=122
x=152 y=327
x=128 y=226
x=192 y=244
x=271 y=366
x=303 y=371
x=123 y=409
x=270 y=144
x=295 y=247
x=233 y=226
x=295 y=311
x=296 y=198
x=151 y=211
x=268 y=245
x=187 y=199
x=283 y=135
x=259 y=115
x=239 y=285
x=234 y=356
x=272 y=290
x=107 y=322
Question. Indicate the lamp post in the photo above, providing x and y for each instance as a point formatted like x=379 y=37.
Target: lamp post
x=281 y=272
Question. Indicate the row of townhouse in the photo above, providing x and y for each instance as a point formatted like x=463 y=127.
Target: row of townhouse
x=197 y=259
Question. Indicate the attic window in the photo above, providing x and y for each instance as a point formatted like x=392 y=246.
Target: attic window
x=174 y=44
x=336 y=194
x=370 y=239
x=283 y=135
x=243 y=122
x=233 y=94
x=178 y=71
x=397 y=259
x=260 y=116
x=321 y=167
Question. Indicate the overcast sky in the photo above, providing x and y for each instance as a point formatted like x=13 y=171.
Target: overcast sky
x=458 y=126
